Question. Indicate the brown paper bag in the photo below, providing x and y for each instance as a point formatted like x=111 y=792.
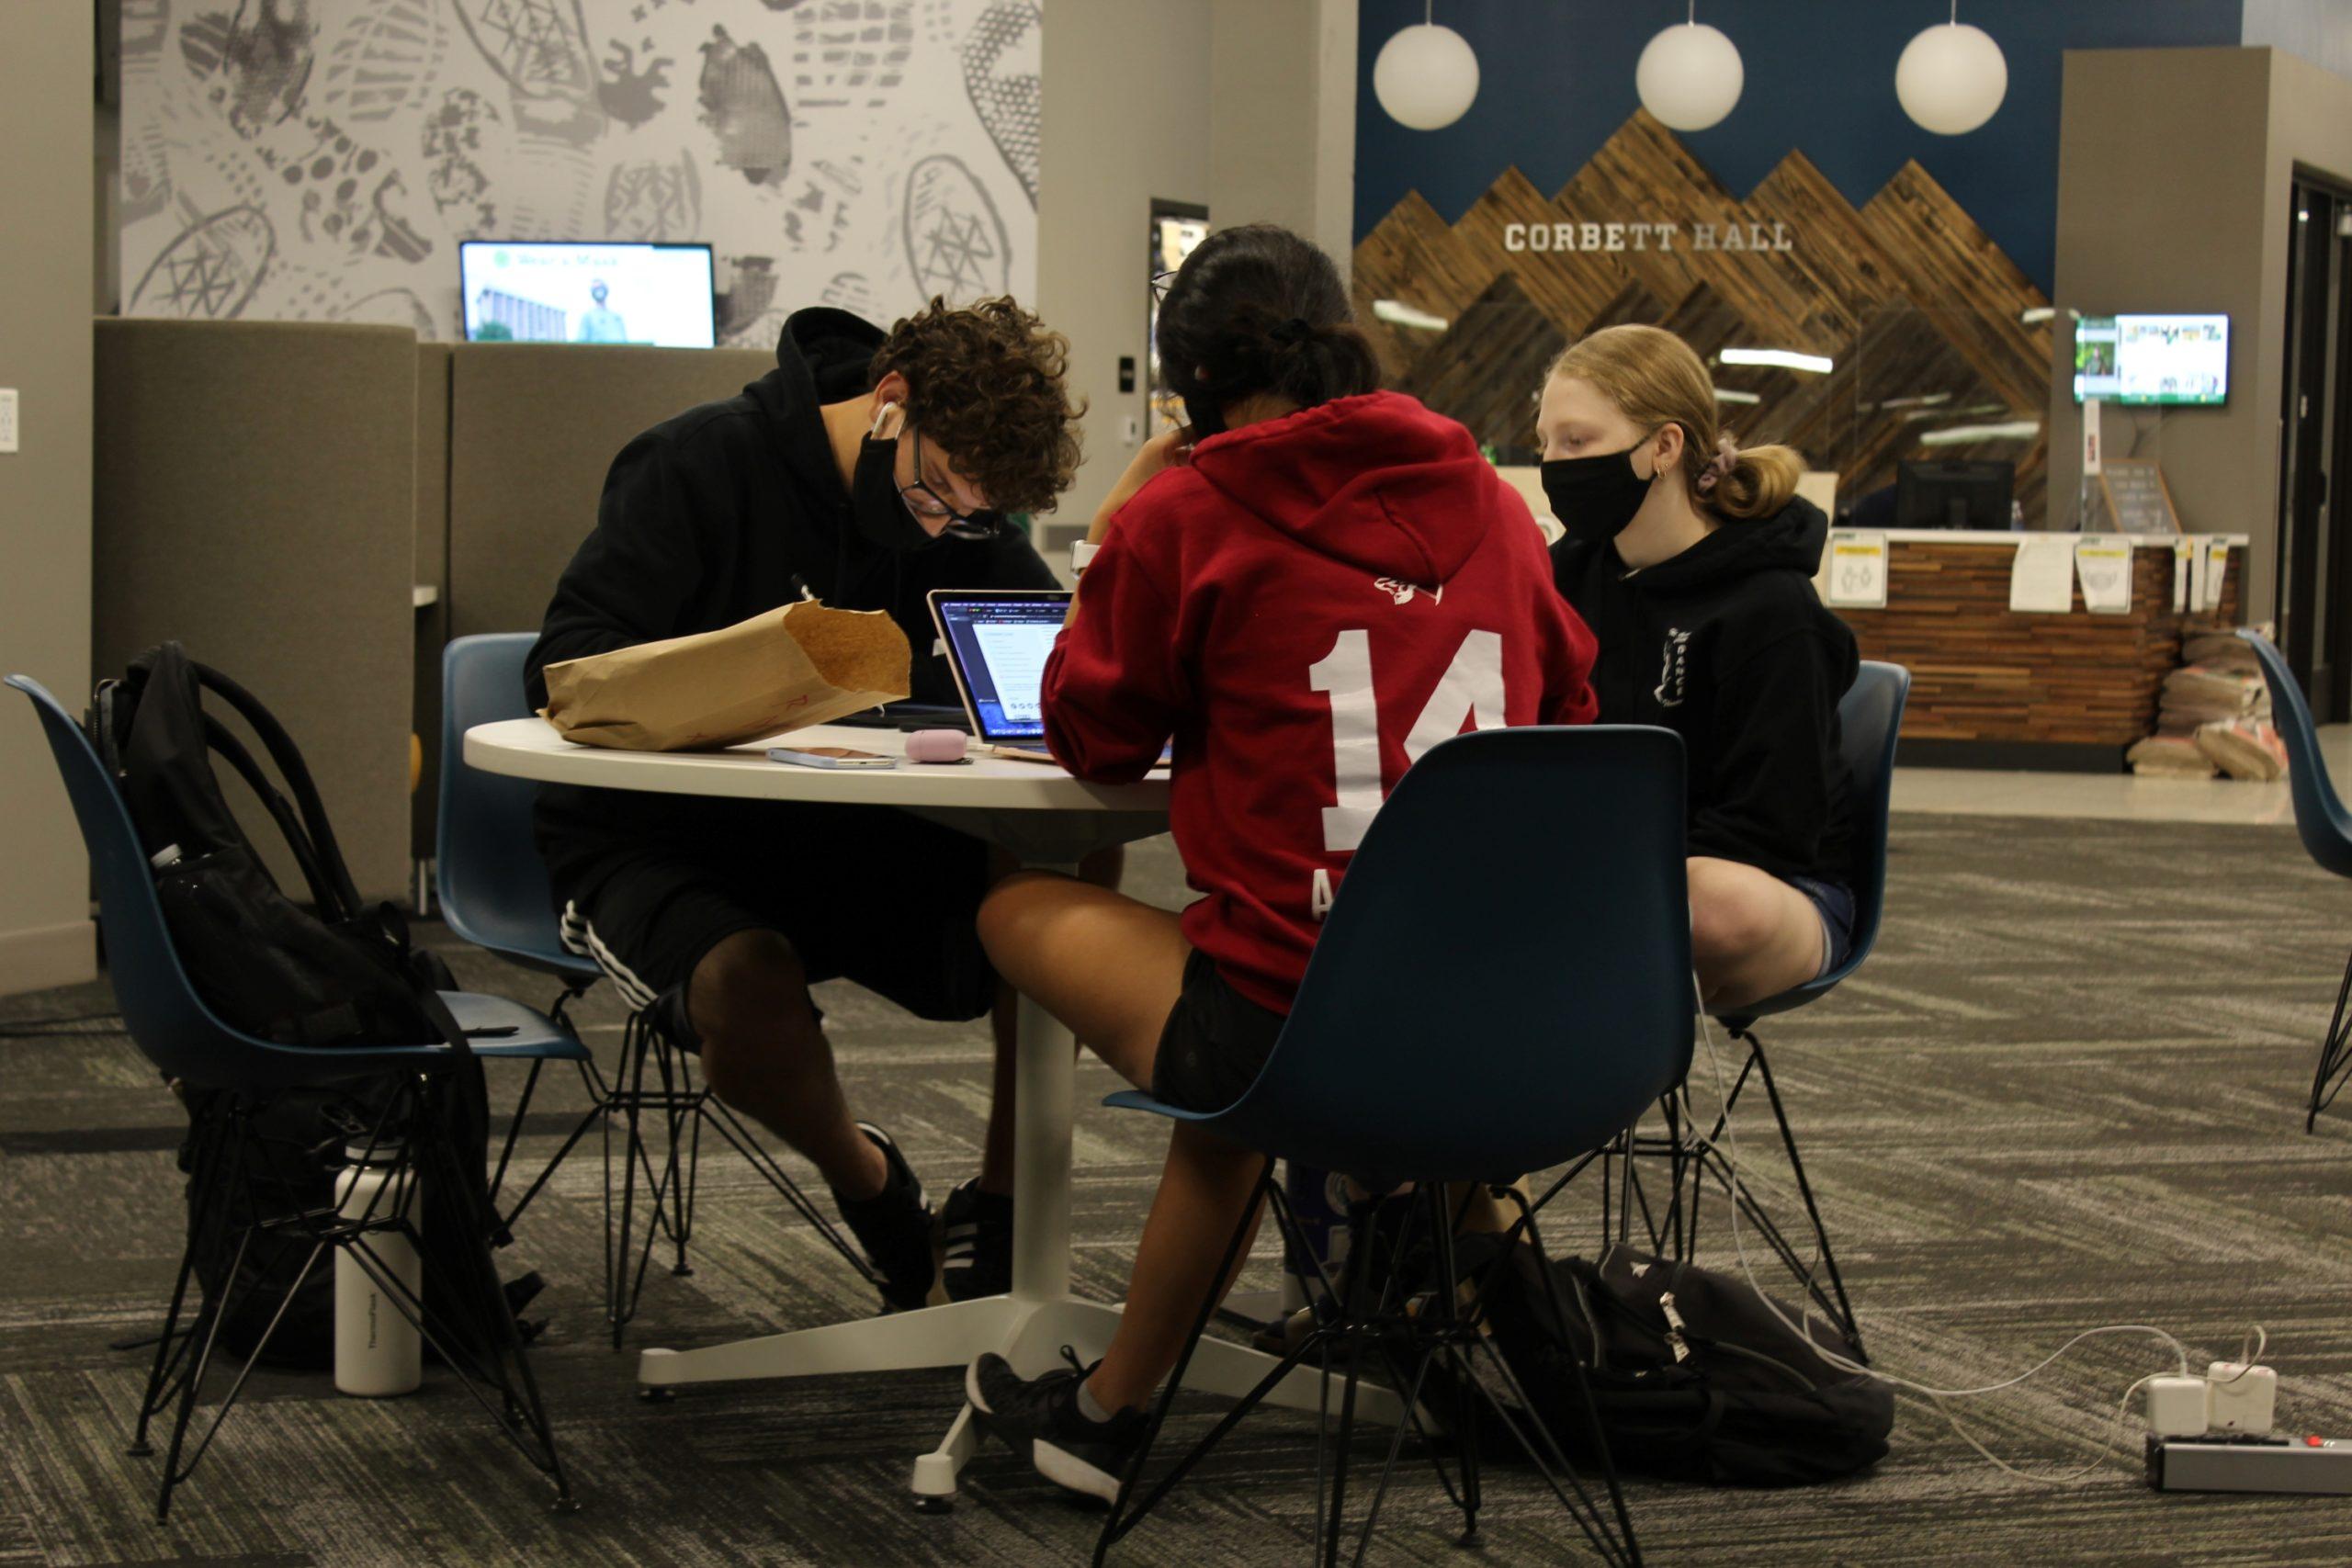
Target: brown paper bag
x=800 y=665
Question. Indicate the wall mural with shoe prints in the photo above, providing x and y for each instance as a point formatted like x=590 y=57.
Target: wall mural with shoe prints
x=320 y=160
x=1923 y=340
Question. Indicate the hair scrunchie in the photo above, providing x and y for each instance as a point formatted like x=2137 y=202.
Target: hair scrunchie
x=1726 y=458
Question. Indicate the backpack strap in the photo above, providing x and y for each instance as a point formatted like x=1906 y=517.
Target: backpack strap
x=287 y=759
x=223 y=741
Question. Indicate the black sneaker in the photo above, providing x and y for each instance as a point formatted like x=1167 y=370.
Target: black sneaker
x=975 y=1231
x=894 y=1226
x=1038 y=1418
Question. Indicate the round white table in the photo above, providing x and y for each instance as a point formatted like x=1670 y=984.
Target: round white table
x=1047 y=818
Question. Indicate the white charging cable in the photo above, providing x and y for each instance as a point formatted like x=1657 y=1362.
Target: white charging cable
x=1936 y=1395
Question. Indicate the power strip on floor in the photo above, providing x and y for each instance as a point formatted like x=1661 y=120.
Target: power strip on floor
x=2312 y=1465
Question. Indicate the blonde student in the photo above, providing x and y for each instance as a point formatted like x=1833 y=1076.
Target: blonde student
x=1691 y=559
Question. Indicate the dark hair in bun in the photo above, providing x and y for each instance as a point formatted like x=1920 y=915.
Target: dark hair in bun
x=1259 y=309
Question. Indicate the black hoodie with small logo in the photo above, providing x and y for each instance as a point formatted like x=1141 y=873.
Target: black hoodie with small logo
x=728 y=511
x=1728 y=646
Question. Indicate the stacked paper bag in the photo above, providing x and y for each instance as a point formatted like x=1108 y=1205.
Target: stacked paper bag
x=2214 y=716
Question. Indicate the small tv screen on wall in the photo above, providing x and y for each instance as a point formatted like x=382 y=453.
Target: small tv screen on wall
x=2153 y=359
x=548 y=291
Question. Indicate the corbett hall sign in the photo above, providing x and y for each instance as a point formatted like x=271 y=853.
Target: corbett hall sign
x=1647 y=236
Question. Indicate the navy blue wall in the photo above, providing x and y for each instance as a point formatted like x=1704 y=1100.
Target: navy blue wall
x=1557 y=76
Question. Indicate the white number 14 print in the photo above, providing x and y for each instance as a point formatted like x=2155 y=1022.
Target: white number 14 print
x=1471 y=690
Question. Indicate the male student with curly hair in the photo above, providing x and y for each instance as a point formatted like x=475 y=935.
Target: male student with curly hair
x=864 y=470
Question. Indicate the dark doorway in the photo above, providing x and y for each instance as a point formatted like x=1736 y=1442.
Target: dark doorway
x=2315 y=604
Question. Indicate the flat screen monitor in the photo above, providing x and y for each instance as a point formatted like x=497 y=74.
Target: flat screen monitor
x=551 y=291
x=1954 y=493
x=2153 y=359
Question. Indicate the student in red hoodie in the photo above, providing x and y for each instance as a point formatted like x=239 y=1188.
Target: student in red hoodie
x=1307 y=588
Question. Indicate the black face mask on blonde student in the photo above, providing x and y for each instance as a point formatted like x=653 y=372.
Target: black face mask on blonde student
x=1595 y=497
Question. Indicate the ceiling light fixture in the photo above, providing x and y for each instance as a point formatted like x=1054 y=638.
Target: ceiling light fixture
x=1425 y=76
x=1690 y=76
x=1951 y=77
x=1397 y=313
x=1970 y=434
x=1780 y=358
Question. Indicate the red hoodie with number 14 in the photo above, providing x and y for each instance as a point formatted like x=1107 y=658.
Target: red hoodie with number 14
x=1307 y=607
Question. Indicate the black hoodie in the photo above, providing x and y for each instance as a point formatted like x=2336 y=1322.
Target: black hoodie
x=729 y=510
x=1727 y=645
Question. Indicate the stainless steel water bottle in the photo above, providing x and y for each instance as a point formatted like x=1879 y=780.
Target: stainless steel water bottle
x=377 y=1350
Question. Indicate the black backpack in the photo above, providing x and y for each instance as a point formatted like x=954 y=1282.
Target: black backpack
x=1693 y=1377
x=337 y=973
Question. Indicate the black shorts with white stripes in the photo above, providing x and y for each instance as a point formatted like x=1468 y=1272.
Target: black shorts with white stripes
x=876 y=897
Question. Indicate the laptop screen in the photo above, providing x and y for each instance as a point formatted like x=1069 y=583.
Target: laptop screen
x=1000 y=643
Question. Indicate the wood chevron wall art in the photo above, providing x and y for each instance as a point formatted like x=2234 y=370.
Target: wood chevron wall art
x=1934 y=341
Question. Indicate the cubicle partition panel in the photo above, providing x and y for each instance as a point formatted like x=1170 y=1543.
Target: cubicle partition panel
x=532 y=427
x=256 y=498
x=431 y=578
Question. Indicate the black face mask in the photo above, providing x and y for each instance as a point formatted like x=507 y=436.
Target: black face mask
x=883 y=514
x=1594 y=498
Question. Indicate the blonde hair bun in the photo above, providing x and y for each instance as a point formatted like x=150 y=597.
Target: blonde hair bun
x=1656 y=379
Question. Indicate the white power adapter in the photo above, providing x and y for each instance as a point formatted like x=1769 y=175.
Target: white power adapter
x=2240 y=1398
x=2176 y=1406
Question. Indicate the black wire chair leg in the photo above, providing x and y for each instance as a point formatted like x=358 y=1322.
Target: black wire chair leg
x=619 y=1303
x=681 y=1193
x=514 y=1130
x=2334 y=1055
x=731 y=1127
x=1844 y=1315
x=508 y=1363
x=171 y=1347
x=1120 y=1519
x=1542 y=1446
x=580 y=1130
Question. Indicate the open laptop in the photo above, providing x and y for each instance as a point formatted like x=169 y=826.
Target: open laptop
x=997 y=641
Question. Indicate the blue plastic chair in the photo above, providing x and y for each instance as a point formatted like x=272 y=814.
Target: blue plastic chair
x=2325 y=828
x=173 y=1028
x=1869 y=718
x=494 y=892
x=491 y=883
x=1503 y=985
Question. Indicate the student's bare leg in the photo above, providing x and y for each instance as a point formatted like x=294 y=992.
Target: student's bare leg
x=1204 y=1188
x=1102 y=869
x=1112 y=969
x=1752 y=935
x=765 y=1054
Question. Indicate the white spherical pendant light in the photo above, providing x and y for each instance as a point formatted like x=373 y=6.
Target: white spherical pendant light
x=1689 y=76
x=1951 y=77
x=1425 y=76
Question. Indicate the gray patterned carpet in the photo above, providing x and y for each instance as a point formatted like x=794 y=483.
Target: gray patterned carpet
x=2066 y=1091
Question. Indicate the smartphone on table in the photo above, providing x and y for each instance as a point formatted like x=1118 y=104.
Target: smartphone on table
x=829 y=757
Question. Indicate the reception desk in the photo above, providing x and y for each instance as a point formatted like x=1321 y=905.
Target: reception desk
x=1997 y=688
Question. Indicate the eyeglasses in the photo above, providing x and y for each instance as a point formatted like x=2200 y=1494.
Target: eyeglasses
x=927 y=503
x=1161 y=282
